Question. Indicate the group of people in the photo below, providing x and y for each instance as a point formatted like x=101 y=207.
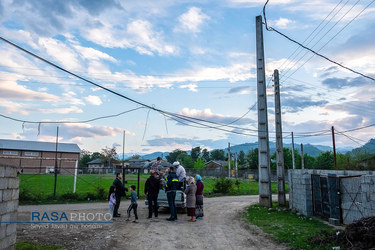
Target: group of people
x=116 y=191
x=175 y=180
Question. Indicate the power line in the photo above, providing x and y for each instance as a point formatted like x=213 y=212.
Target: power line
x=331 y=37
x=269 y=28
x=54 y=122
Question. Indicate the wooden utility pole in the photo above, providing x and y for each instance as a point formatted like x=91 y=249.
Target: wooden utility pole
x=293 y=160
x=235 y=157
x=55 y=170
x=279 y=143
x=265 y=195
x=302 y=158
x=228 y=159
x=334 y=147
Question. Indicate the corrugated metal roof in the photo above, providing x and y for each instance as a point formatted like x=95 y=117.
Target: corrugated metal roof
x=39 y=146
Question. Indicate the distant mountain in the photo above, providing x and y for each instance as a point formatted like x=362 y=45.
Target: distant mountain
x=369 y=148
x=155 y=155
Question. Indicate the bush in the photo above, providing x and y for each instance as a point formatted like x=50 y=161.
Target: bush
x=101 y=193
x=223 y=186
x=69 y=196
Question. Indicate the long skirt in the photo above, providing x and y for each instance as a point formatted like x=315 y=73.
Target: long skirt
x=199 y=206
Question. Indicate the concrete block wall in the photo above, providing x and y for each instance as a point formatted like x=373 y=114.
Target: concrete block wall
x=9 y=191
x=358 y=199
x=357 y=193
x=300 y=193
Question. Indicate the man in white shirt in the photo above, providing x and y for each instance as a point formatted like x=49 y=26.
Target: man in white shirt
x=180 y=172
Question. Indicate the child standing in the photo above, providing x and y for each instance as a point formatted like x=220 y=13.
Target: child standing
x=133 y=204
x=112 y=199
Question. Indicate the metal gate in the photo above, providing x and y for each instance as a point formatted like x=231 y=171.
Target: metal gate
x=326 y=196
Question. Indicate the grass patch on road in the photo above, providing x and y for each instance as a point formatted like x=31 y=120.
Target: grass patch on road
x=287 y=227
x=23 y=245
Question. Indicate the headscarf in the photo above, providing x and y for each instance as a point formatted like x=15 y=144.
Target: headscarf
x=198 y=178
x=191 y=180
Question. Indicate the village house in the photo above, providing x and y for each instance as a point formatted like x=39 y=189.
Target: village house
x=34 y=157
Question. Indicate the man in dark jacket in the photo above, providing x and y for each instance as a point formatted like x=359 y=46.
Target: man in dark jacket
x=152 y=192
x=170 y=188
x=120 y=191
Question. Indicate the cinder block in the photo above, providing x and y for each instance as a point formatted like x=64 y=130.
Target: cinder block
x=8 y=242
x=13 y=183
x=15 y=194
x=2 y=171
x=4 y=183
x=11 y=229
x=5 y=218
x=2 y=231
x=12 y=206
x=7 y=195
x=3 y=207
x=1 y=195
x=10 y=172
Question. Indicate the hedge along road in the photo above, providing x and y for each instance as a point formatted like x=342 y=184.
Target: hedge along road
x=221 y=228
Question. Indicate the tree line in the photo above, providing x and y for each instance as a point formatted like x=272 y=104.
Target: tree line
x=198 y=157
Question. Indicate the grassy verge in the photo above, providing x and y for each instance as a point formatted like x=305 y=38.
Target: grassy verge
x=23 y=245
x=285 y=226
x=38 y=189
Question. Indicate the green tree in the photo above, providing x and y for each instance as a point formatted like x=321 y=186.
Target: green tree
x=195 y=153
x=309 y=161
x=241 y=158
x=96 y=155
x=218 y=154
x=344 y=161
x=136 y=156
x=84 y=159
x=324 y=160
x=199 y=164
x=252 y=158
x=109 y=155
x=172 y=157
x=206 y=155
x=186 y=161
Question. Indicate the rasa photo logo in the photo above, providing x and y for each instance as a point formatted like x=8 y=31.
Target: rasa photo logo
x=72 y=217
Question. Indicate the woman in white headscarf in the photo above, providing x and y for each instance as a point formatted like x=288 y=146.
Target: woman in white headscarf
x=190 y=199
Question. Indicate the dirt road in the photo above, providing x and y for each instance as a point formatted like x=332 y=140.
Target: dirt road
x=221 y=228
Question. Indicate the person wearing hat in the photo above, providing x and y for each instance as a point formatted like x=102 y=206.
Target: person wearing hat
x=180 y=172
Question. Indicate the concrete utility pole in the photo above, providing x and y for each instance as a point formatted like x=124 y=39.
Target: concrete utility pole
x=302 y=159
x=334 y=147
x=228 y=159
x=265 y=195
x=279 y=143
x=293 y=160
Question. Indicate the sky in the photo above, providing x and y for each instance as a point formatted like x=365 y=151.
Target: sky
x=191 y=58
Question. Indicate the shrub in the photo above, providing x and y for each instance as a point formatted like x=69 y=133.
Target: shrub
x=223 y=186
x=69 y=196
x=101 y=193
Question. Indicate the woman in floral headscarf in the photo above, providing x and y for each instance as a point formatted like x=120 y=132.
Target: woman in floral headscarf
x=199 y=197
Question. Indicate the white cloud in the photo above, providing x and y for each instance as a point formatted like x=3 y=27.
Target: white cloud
x=282 y=23
x=192 y=87
x=93 y=54
x=94 y=100
x=207 y=114
x=69 y=110
x=192 y=20
x=138 y=35
x=61 y=53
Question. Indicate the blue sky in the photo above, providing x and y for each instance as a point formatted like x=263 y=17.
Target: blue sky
x=193 y=58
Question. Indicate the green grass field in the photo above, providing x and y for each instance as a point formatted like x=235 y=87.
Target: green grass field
x=38 y=189
x=288 y=227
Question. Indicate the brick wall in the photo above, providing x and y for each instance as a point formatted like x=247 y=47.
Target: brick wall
x=9 y=190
